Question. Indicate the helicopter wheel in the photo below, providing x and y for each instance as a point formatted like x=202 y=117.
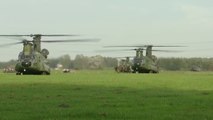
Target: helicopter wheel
x=45 y=73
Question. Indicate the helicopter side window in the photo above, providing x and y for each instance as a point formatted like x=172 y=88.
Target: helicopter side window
x=22 y=56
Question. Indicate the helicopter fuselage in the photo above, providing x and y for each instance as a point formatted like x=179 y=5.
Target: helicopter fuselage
x=145 y=65
x=34 y=63
x=33 y=60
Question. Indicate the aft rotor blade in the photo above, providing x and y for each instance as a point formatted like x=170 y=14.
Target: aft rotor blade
x=142 y=49
x=138 y=46
x=114 y=50
x=74 y=40
x=125 y=57
x=165 y=46
x=58 y=35
x=119 y=46
x=10 y=44
x=167 y=51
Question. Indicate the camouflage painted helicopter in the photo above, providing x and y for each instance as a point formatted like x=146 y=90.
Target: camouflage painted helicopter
x=33 y=60
x=124 y=65
x=147 y=63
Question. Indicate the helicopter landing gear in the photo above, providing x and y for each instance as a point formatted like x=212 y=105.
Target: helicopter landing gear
x=45 y=73
x=18 y=73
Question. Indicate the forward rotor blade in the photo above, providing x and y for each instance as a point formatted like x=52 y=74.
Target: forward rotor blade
x=19 y=38
x=10 y=44
x=46 y=35
x=74 y=40
x=13 y=35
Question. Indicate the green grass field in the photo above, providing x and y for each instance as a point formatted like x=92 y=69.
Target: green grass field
x=96 y=95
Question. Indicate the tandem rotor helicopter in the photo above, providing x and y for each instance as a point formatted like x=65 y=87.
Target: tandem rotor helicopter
x=124 y=65
x=32 y=59
x=141 y=63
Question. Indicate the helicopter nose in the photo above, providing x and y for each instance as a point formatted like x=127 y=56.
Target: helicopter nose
x=26 y=64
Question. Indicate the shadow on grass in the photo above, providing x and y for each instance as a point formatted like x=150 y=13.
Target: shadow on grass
x=59 y=101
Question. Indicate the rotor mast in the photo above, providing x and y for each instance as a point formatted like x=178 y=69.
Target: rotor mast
x=127 y=59
x=37 y=42
x=149 y=51
x=139 y=52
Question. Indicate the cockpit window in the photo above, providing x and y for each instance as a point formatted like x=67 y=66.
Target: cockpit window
x=21 y=56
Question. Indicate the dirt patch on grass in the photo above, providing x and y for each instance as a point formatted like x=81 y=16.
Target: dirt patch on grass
x=63 y=105
x=103 y=114
x=205 y=93
x=78 y=88
x=59 y=95
x=109 y=105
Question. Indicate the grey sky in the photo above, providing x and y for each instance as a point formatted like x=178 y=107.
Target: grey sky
x=116 y=22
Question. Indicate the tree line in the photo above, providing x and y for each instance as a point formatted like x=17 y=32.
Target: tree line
x=83 y=62
x=100 y=62
x=175 y=64
x=80 y=62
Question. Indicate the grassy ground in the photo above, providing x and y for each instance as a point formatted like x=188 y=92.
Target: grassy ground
x=107 y=95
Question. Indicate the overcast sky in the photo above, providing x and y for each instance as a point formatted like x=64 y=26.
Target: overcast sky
x=115 y=22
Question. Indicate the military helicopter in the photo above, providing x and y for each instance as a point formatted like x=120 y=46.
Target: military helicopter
x=124 y=65
x=33 y=60
x=147 y=63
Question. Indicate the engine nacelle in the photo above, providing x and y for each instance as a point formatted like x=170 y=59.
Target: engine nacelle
x=45 y=52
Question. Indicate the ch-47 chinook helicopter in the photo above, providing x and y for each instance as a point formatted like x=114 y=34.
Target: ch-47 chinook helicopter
x=32 y=59
x=124 y=65
x=145 y=63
